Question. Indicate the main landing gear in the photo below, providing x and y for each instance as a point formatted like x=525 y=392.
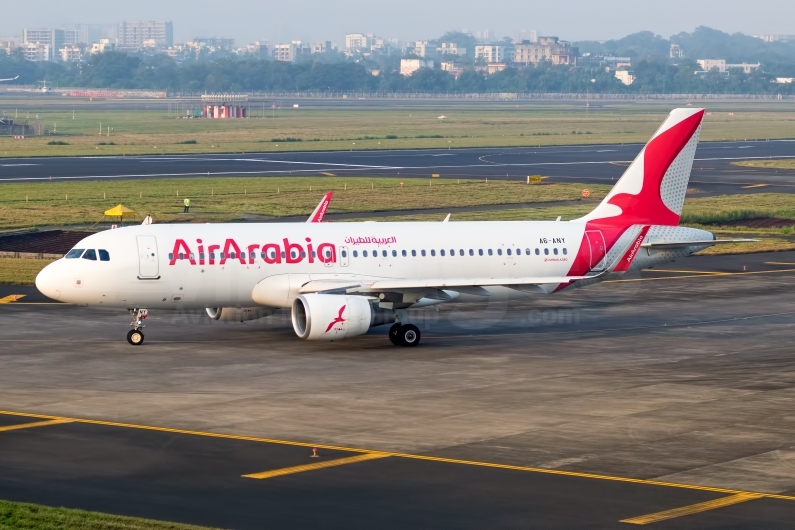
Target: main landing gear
x=404 y=334
x=135 y=336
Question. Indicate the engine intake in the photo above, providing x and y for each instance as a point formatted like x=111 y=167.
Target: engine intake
x=333 y=317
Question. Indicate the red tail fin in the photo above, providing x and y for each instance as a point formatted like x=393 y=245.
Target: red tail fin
x=652 y=190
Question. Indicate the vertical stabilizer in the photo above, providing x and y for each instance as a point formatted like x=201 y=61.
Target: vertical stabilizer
x=652 y=189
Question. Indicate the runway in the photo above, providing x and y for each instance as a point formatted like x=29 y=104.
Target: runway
x=664 y=397
x=712 y=170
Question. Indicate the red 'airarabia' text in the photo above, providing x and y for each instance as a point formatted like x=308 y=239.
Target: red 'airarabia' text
x=271 y=253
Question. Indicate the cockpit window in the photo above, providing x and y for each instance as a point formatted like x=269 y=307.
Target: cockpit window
x=90 y=254
x=74 y=253
x=103 y=255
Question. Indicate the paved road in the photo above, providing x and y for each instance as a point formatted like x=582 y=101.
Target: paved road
x=684 y=375
x=713 y=172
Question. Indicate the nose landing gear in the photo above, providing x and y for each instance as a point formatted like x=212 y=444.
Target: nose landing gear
x=135 y=336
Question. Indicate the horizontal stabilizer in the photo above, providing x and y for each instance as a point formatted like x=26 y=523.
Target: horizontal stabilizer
x=684 y=244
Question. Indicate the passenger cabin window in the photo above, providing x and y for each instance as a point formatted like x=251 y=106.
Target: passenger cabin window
x=423 y=253
x=508 y=251
x=441 y=252
x=565 y=252
x=394 y=253
x=546 y=252
x=461 y=251
x=499 y=252
x=555 y=251
x=538 y=252
x=344 y=254
x=404 y=253
x=490 y=252
x=480 y=252
x=452 y=252
x=433 y=252
x=527 y=251
x=355 y=253
x=74 y=253
x=90 y=254
x=383 y=253
x=413 y=253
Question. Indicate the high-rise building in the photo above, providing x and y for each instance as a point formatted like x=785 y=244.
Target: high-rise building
x=53 y=38
x=132 y=35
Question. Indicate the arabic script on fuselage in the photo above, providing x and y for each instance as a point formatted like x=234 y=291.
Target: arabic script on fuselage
x=367 y=240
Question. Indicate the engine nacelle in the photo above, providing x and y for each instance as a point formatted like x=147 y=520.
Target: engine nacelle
x=238 y=314
x=334 y=316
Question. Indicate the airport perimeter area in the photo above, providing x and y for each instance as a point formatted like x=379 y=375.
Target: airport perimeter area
x=665 y=399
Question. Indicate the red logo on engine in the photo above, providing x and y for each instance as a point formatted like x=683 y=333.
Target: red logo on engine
x=337 y=320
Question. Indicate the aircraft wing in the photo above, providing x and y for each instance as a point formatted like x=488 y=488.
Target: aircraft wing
x=320 y=212
x=10 y=79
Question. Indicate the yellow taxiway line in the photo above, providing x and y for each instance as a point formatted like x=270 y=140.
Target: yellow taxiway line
x=369 y=452
x=11 y=298
x=5 y=428
x=755 y=186
x=700 y=275
x=691 y=509
x=317 y=465
x=684 y=272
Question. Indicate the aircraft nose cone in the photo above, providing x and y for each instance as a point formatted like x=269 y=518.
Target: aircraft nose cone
x=48 y=282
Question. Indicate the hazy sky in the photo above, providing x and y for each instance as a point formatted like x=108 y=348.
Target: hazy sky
x=309 y=20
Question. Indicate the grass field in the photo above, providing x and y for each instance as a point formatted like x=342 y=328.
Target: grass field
x=17 y=271
x=238 y=198
x=787 y=163
x=227 y=199
x=368 y=127
x=37 y=517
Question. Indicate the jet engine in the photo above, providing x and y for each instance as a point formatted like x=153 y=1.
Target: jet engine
x=333 y=316
x=238 y=314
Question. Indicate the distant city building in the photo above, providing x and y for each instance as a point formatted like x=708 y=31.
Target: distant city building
x=132 y=35
x=217 y=43
x=722 y=66
x=491 y=53
x=525 y=35
x=104 y=45
x=493 y=68
x=784 y=80
x=8 y=45
x=320 y=47
x=36 y=51
x=284 y=52
x=452 y=67
x=53 y=38
x=358 y=42
x=72 y=53
x=776 y=38
x=676 y=52
x=625 y=76
x=485 y=35
x=409 y=66
x=90 y=33
x=292 y=51
x=450 y=48
x=546 y=49
x=424 y=48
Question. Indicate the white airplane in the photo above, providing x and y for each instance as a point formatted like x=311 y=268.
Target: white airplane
x=341 y=279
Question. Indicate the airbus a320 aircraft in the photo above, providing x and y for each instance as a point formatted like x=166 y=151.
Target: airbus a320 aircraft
x=339 y=280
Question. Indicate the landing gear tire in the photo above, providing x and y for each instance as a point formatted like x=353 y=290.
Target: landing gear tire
x=394 y=334
x=409 y=335
x=135 y=337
